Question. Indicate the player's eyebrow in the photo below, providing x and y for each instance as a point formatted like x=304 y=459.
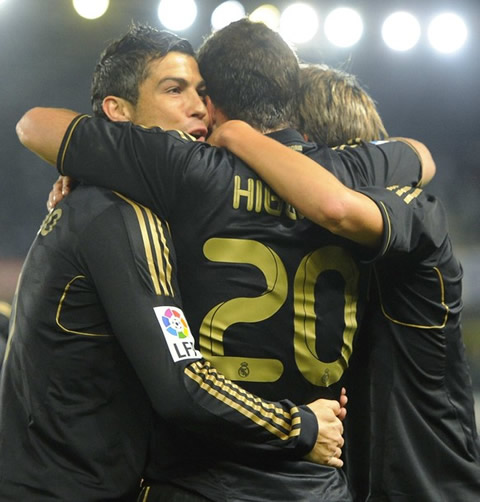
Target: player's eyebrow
x=181 y=81
x=178 y=80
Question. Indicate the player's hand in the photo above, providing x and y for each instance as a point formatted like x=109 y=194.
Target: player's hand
x=60 y=189
x=329 y=444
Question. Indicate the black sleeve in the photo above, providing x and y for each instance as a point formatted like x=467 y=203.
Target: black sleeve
x=138 y=162
x=415 y=222
x=381 y=163
x=418 y=278
x=130 y=258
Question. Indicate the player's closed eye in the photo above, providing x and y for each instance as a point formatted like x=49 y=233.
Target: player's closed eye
x=203 y=95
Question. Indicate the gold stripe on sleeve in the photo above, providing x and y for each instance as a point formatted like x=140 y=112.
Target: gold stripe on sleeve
x=269 y=420
x=166 y=275
x=166 y=254
x=213 y=377
x=146 y=243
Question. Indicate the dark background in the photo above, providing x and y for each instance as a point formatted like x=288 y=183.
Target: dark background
x=48 y=52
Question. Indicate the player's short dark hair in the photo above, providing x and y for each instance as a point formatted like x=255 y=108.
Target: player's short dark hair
x=251 y=74
x=124 y=63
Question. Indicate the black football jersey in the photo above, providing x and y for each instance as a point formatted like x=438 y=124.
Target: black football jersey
x=276 y=300
x=423 y=443
x=97 y=340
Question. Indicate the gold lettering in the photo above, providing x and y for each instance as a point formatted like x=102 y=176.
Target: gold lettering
x=261 y=198
x=413 y=195
x=239 y=192
x=258 y=200
x=272 y=200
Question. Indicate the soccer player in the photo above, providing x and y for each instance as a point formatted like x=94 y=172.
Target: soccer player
x=421 y=435
x=98 y=336
x=301 y=289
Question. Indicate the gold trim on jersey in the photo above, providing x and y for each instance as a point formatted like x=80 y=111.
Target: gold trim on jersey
x=67 y=141
x=407 y=193
x=144 y=494
x=5 y=309
x=412 y=195
x=388 y=230
x=59 y=311
x=185 y=135
x=11 y=330
x=420 y=326
x=265 y=414
x=156 y=248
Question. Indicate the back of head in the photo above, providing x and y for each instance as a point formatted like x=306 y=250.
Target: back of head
x=251 y=74
x=124 y=63
x=334 y=108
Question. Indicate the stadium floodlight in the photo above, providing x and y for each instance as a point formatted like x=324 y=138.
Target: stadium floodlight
x=226 y=13
x=267 y=14
x=177 y=15
x=447 y=33
x=91 y=9
x=298 y=23
x=401 y=31
x=343 y=27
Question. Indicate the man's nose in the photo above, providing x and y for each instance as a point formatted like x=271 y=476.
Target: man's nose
x=198 y=107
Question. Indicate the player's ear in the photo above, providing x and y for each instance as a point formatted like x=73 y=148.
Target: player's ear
x=117 y=109
x=210 y=110
x=217 y=117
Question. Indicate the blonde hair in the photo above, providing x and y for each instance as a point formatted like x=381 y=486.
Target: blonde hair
x=334 y=109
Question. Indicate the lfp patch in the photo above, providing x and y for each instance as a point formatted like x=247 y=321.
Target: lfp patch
x=177 y=333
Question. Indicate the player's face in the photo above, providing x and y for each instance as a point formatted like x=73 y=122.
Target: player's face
x=173 y=96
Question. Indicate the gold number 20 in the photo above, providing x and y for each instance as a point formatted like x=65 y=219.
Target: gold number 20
x=256 y=309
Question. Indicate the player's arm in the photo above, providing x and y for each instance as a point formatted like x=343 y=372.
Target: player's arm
x=130 y=259
x=314 y=191
x=130 y=159
x=41 y=130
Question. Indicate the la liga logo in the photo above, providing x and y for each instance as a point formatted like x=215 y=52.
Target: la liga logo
x=177 y=334
x=174 y=323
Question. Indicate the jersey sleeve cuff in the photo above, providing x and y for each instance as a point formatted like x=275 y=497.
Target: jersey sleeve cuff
x=66 y=141
x=309 y=432
x=385 y=243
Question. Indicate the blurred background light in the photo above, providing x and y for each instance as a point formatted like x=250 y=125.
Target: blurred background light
x=90 y=9
x=447 y=33
x=298 y=23
x=177 y=15
x=226 y=13
x=401 y=31
x=343 y=27
x=267 y=14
